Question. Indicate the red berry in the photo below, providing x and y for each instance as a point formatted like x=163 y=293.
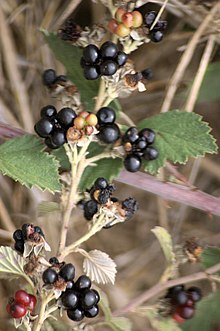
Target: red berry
x=112 y=25
x=8 y=308
x=83 y=114
x=178 y=318
x=122 y=31
x=127 y=19
x=33 y=301
x=137 y=19
x=185 y=311
x=119 y=13
x=17 y=310
x=22 y=297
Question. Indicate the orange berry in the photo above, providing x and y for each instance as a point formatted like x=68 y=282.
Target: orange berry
x=83 y=114
x=91 y=119
x=137 y=19
x=112 y=25
x=119 y=13
x=79 y=122
x=122 y=30
x=127 y=19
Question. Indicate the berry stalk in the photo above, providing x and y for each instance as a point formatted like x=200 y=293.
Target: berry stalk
x=42 y=314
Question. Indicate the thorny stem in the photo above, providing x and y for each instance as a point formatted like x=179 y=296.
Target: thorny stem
x=158 y=288
x=42 y=314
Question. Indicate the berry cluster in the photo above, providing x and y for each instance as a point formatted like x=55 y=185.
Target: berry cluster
x=109 y=132
x=124 y=21
x=80 y=300
x=83 y=124
x=183 y=302
x=50 y=78
x=156 y=33
x=53 y=125
x=137 y=144
x=101 y=195
x=102 y=62
x=27 y=232
x=18 y=306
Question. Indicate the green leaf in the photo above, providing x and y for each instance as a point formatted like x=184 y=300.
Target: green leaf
x=60 y=155
x=11 y=263
x=108 y=168
x=179 y=135
x=23 y=160
x=210 y=256
x=209 y=90
x=161 y=323
x=207 y=315
x=70 y=56
x=166 y=244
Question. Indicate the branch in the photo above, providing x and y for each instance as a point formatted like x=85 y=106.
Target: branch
x=158 y=288
x=172 y=192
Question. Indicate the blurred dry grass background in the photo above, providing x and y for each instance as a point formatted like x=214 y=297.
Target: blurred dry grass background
x=23 y=57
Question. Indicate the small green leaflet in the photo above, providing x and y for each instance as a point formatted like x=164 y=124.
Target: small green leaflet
x=23 y=159
x=179 y=135
x=162 y=323
x=166 y=244
x=70 y=56
x=210 y=256
x=207 y=316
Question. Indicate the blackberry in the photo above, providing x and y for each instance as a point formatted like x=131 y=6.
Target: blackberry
x=195 y=293
x=58 y=137
x=44 y=127
x=147 y=74
x=91 y=72
x=49 y=77
x=88 y=299
x=108 y=50
x=70 y=285
x=54 y=260
x=121 y=58
x=108 y=68
x=18 y=235
x=67 y=272
x=109 y=133
x=150 y=153
x=101 y=183
x=19 y=246
x=91 y=54
x=48 y=111
x=90 y=209
x=27 y=229
x=130 y=205
x=148 y=134
x=156 y=36
x=149 y=18
x=140 y=144
x=70 y=299
x=49 y=276
x=161 y=25
x=66 y=117
x=38 y=230
x=106 y=115
x=76 y=314
x=185 y=311
x=173 y=290
x=131 y=135
x=179 y=298
x=92 y=312
x=83 y=283
x=48 y=142
x=97 y=296
x=132 y=163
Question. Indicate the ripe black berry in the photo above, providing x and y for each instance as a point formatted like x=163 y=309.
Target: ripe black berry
x=185 y=311
x=44 y=127
x=149 y=18
x=91 y=54
x=54 y=260
x=121 y=58
x=195 y=293
x=147 y=134
x=91 y=72
x=49 y=276
x=140 y=144
x=48 y=111
x=66 y=117
x=38 y=230
x=70 y=285
x=76 y=314
x=58 y=137
x=173 y=290
x=106 y=115
x=150 y=153
x=88 y=299
x=70 y=299
x=108 y=50
x=179 y=298
x=83 y=282
x=130 y=205
x=67 y=272
x=92 y=312
x=100 y=183
x=18 y=235
x=90 y=209
x=109 y=133
x=19 y=246
x=132 y=163
x=156 y=36
x=49 y=77
x=131 y=135
x=97 y=296
x=147 y=73
x=108 y=68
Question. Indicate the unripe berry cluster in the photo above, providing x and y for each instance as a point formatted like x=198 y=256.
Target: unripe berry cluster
x=102 y=62
x=101 y=195
x=137 y=145
x=109 y=131
x=27 y=232
x=183 y=302
x=156 y=33
x=23 y=302
x=50 y=78
x=124 y=21
x=53 y=125
x=83 y=124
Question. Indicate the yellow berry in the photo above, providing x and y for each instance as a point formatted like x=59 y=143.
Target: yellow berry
x=79 y=122
x=91 y=119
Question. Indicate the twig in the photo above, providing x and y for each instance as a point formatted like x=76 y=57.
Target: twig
x=67 y=12
x=158 y=288
x=172 y=192
x=194 y=91
x=161 y=204
x=185 y=59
